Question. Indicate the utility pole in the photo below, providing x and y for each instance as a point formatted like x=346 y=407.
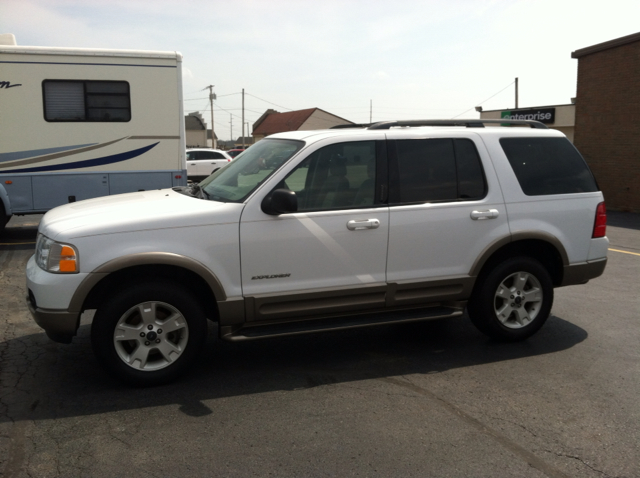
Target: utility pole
x=231 y=123
x=516 y=93
x=242 y=118
x=212 y=96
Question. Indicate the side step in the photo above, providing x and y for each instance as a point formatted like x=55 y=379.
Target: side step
x=254 y=332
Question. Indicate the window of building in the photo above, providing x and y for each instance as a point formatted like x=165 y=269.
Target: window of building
x=99 y=101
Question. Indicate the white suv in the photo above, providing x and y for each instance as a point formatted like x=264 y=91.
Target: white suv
x=319 y=230
x=201 y=162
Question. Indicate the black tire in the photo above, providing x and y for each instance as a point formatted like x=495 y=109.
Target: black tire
x=513 y=300
x=147 y=309
x=4 y=217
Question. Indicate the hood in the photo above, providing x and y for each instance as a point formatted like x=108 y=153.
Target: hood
x=159 y=209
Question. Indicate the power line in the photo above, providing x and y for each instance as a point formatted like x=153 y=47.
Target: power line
x=279 y=106
x=480 y=104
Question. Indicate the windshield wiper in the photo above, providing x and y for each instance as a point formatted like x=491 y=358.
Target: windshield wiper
x=195 y=188
x=186 y=190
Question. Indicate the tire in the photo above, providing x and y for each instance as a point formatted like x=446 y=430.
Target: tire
x=4 y=217
x=149 y=334
x=513 y=300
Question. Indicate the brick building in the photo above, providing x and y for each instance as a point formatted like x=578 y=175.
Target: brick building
x=607 y=127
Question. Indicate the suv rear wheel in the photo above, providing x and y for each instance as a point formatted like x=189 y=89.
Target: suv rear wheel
x=149 y=334
x=513 y=300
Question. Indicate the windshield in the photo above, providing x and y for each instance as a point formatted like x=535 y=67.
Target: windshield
x=241 y=177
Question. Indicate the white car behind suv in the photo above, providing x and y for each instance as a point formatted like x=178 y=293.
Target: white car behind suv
x=319 y=230
x=201 y=162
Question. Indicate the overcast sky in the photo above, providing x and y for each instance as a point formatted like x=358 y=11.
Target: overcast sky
x=411 y=59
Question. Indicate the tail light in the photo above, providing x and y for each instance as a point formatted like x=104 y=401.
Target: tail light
x=600 y=226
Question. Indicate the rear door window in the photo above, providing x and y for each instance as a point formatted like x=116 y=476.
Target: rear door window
x=211 y=155
x=548 y=166
x=436 y=170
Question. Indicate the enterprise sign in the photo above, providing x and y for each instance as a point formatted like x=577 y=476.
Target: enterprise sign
x=544 y=115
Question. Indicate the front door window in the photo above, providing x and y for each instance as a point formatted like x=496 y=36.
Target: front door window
x=336 y=177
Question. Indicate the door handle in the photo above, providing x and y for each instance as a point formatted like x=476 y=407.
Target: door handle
x=363 y=224
x=487 y=214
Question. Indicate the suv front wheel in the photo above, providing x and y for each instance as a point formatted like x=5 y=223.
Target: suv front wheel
x=149 y=334
x=513 y=300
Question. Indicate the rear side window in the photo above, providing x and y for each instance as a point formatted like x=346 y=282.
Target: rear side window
x=548 y=166
x=86 y=101
x=432 y=170
x=212 y=155
x=193 y=155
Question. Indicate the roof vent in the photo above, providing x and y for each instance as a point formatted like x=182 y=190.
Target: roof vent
x=7 y=39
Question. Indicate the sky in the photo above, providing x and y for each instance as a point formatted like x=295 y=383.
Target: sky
x=360 y=60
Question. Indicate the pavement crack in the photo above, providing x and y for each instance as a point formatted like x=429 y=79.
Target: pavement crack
x=513 y=423
x=113 y=435
x=530 y=458
x=16 y=458
x=585 y=463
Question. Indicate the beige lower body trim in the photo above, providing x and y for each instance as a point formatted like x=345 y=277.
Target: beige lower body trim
x=346 y=300
x=231 y=312
x=582 y=273
x=56 y=323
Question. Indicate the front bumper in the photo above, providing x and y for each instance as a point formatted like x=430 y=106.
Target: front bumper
x=50 y=301
x=59 y=325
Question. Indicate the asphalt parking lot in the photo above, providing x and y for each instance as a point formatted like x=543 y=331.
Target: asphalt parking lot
x=426 y=399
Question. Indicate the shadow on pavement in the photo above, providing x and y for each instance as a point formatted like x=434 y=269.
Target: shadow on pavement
x=627 y=220
x=20 y=233
x=45 y=380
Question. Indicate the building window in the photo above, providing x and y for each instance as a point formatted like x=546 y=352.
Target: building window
x=94 y=101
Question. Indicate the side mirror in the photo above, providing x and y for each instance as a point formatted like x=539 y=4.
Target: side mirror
x=280 y=201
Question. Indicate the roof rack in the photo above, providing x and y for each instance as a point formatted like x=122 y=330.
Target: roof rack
x=352 y=125
x=470 y=123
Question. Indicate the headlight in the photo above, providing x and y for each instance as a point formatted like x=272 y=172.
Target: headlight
x=56 y=257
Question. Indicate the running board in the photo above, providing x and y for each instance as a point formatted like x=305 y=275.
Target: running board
x=254 y=332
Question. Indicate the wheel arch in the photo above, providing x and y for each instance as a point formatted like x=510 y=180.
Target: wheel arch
x=5 y=203
x=120 y=272
x=545 y=248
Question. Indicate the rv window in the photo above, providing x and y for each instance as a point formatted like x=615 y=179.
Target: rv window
x=101 y=101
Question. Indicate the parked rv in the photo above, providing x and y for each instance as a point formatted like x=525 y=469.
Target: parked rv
x=83 y=123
